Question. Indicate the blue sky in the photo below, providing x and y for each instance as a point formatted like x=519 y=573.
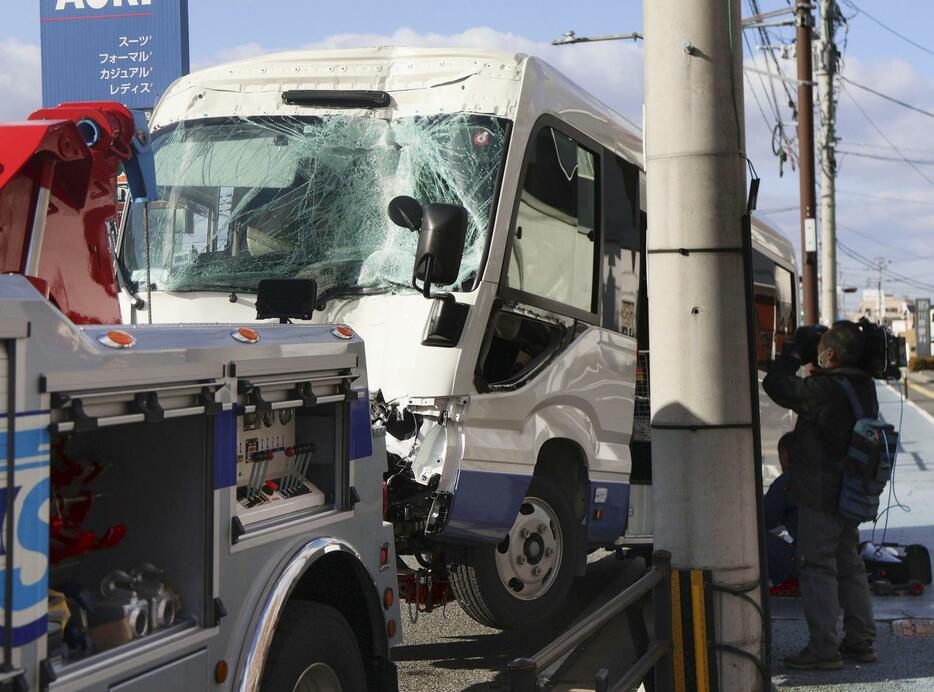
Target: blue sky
x=885 y=207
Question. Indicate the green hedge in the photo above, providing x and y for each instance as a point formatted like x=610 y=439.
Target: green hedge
x=917 y=364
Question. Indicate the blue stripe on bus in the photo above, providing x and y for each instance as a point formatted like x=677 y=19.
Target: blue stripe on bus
x=485 y=505
x=614 y=511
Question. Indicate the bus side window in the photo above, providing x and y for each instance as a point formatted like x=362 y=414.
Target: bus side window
x=553 y=252
x=766 y=299
x=621 y=257
x=516 y=346
x=785 y=307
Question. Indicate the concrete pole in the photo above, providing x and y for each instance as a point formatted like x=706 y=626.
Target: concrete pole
x=880 y=298
x=828 y=171
x=704 y=481
x=804 y=20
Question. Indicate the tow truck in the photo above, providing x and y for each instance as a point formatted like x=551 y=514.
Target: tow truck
x=184 y=507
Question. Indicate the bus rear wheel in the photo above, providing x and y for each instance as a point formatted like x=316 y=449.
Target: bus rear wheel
x=313 y=650
x=523 y=581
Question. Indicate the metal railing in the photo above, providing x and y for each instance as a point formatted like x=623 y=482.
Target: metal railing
x=523 y=673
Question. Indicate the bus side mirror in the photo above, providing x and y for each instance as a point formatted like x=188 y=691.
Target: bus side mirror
x=440 y=246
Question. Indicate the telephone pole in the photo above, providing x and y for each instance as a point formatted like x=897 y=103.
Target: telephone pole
x=804 y=21
x=827 y=65
x=704 y=431
x=880 y=298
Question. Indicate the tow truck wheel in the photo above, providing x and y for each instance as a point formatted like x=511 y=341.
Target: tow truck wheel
x=524 y=580
x=313 y=650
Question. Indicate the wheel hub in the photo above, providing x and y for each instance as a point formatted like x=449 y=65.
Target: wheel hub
x=528 y=560
x=318 y=677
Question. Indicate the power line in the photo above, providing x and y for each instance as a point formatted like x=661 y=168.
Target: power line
x=889 y=274
x=877 y=145
x=899 y=102
x=880 y=157
x=925 y=258
x=887 y=198
x=882 y=134
x=872 y=238
x=888 y=28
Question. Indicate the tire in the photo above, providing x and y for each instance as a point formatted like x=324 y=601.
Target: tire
x=313 y=650
x=496 y=590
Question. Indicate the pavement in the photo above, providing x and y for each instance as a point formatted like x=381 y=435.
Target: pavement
x=921 y=389
x=446 y=651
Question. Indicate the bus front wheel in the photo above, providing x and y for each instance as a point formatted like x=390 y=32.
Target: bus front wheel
x=524 y=580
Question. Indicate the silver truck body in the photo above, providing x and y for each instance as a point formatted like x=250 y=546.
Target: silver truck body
x=165 y=417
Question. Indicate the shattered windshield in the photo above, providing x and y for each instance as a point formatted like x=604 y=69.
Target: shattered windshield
x=243 y=199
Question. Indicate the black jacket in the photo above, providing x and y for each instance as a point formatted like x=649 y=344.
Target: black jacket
x=825 y=423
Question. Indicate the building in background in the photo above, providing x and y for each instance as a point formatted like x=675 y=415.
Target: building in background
x=127 y=51
x=897 y=312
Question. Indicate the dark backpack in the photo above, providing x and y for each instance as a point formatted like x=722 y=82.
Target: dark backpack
x=868 y=463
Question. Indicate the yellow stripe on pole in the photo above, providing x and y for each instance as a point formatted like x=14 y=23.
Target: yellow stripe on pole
x=700 y=631
x=677 y=637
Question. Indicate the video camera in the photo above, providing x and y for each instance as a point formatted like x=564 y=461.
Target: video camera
x=883 y=353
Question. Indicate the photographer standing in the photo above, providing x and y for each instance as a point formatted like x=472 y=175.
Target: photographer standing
x=832 y=574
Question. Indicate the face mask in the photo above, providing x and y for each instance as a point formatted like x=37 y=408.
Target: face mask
x=820 y=358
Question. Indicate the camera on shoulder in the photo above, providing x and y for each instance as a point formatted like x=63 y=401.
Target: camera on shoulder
x=882 y=356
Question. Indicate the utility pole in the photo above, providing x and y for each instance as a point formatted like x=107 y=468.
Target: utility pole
x=880 y=310
x=827 y=65
x=703 y=426
x=804 y=20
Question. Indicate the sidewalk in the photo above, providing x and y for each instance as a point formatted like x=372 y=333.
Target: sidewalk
x=905 y=663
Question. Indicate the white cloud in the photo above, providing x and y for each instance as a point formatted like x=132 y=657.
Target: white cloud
x=241 y=52
x=20 y=79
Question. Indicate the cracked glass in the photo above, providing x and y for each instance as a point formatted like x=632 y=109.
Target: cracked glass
x=243 y=199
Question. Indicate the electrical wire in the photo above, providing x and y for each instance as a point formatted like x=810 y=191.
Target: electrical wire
x=887 y=198
x=878 y=145
x=766 y=39
x=883 y=135
x=887 y=273
x=872 y=238
x=892 y=494
x=894 y=100
x=771 y=97
x=880 y=157
x=904 y=38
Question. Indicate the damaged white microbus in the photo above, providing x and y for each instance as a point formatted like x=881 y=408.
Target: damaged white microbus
x=513 y=381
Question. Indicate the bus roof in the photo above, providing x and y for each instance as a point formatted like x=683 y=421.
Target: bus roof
x=772 y=242
x=422 y=81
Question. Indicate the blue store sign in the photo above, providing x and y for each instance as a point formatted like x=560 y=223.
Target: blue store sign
x=112 y=50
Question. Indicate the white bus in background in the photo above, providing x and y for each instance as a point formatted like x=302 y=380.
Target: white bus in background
x=517 y=402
